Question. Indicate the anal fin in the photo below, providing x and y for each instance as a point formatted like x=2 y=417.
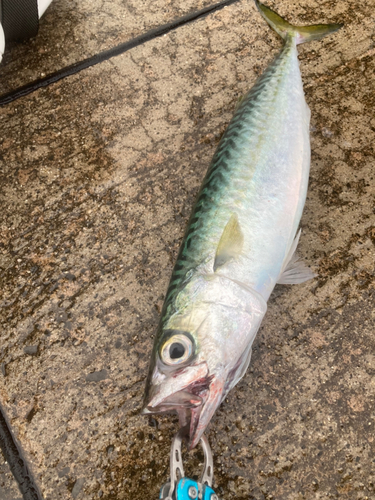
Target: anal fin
x=294 y=270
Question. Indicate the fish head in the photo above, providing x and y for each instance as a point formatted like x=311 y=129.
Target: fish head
x=201 y=351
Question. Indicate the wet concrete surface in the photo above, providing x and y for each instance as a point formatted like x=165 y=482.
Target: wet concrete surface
x=8 y=486
x=99 y=173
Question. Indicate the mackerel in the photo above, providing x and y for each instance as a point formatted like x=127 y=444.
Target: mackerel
x=240 y=241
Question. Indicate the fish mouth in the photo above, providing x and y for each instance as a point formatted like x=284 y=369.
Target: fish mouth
x=195 y=405
x=192 y=396
x=201 y=415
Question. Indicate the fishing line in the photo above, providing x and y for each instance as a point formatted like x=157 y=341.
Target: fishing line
x=108 y=54
x=17 y=463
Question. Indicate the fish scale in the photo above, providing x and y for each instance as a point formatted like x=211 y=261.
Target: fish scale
x=248 y=117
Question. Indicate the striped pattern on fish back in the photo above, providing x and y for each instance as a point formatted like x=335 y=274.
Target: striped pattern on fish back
x=247 y=119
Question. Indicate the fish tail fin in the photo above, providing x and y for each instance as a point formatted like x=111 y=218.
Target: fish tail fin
x=302 y=34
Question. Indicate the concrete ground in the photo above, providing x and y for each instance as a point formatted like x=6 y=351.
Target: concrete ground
x=98 y=176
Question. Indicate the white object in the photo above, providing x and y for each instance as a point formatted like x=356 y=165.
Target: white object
x=42 y=6
x=2 y=42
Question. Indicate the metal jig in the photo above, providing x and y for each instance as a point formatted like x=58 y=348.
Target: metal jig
x=181 y=487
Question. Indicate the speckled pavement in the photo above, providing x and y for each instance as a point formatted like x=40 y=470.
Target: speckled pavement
x=98 y=176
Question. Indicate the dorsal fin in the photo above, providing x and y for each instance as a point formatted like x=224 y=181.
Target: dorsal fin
x=230 y=244
x=239 y=102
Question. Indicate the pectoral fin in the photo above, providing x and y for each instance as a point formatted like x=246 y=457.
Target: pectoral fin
x=294 y=270
x=230 y=244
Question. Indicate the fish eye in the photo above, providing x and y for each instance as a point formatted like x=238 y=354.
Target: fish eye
x=177 y=349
